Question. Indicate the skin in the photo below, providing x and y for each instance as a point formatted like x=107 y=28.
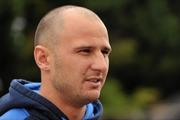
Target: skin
x=74 y=70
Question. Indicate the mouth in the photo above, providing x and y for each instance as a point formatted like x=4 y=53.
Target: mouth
x=94 y=81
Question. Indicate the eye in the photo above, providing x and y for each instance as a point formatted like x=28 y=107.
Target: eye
x=85 y=51
x=105 y=52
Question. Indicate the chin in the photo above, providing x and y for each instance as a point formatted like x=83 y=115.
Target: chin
x=92 y=97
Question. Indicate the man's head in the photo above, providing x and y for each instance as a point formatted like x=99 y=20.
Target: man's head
x=72 y=49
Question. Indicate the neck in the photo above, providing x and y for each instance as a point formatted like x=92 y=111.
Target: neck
x=73 y=112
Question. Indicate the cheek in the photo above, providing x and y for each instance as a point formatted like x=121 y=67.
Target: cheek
x=85 y=67
x=74 y=69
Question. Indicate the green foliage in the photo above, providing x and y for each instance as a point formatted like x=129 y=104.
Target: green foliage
x=117 y=104
x=157 y=23
x=105 y=4
x=114 y=100
x=18 y=7
x=124 y=52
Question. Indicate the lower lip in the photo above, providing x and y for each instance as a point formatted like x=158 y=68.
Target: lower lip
x=93 y=84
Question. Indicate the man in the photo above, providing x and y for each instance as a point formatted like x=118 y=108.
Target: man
x=71 y=49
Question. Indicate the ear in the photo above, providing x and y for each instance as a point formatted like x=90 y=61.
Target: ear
x=42 y=58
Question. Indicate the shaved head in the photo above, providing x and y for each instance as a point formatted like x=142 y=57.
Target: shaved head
x=72 y=51
x=52 y=24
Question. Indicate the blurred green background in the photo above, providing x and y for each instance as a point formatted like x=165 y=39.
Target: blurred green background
x=144 y=64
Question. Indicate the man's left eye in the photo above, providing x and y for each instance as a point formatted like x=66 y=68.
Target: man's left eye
x=86 y=50
x=105 y=52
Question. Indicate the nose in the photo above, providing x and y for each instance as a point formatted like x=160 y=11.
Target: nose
x=100 y=63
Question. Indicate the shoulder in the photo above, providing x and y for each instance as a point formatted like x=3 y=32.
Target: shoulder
x=14 y=114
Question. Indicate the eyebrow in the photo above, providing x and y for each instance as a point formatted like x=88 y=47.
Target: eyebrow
x=82 y=47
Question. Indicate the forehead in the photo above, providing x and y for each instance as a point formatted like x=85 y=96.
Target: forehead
x=79 y=19
x=78 y=25
x=82 y=30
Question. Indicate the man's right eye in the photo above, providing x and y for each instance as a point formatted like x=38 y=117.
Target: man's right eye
x=85 y=51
